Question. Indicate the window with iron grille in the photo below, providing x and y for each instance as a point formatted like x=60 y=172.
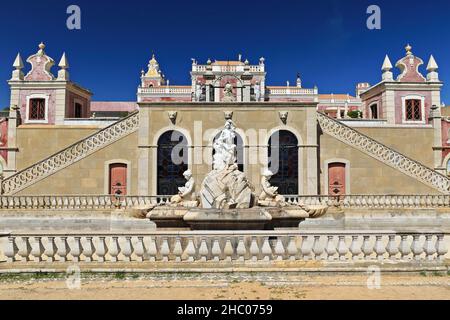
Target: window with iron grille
x=36 y=109
x=413 y=110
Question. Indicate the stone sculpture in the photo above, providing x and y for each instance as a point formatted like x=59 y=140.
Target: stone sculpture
x=228 y=95
x=225 y=187
x=186 y=195
x=269 y=195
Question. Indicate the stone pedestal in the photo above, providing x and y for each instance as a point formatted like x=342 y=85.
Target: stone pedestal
x=234 y=219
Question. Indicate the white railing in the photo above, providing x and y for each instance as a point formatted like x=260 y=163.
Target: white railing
x=71 y=154
x=386 y=155
x=165 y=90
x=292 y=91
x=218 y=246
x=100 y=202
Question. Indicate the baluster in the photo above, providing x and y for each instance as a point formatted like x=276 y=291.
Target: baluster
x=127 y=250
x=228 y=250
x=100 y=249
x=330 y=248
x=11 y=250
x=279 y=249
x=189 y=252
x=113 y=249
x=215 y=250
x=342 y=248
x=380 y=249
x=165 y=250
x=152 y=250
x=441 y=248
x=241 y=249
x=292 y=250
x=177 y=249
x=429 y=247
x=266 y=250
x=392 y=247
x=367 y=248
x=355 y=248
x=254 y=249
x=306 y=248
x=318 y=249
x=203 y=250
x=405 y=248
x=139 y=249
x=63 y=250
x=416 y=248
x=24 y=252
x=37 y=249
x=76 y=249
x=88 y=249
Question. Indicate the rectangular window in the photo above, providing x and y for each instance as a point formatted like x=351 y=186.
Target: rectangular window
x=78 y=112
x=37 y=109
x=413 y=110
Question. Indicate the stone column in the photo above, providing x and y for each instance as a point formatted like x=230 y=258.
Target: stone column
x=311 y=152
x=436 y=120
x=144 y=152
x=13 y=122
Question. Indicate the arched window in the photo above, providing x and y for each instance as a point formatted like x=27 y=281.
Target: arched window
x=283 y=162
x=172 y=162
x=374 y=111
x=239 y=150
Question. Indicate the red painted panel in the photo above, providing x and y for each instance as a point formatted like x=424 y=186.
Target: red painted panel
x=336 y=179
x=118 y=178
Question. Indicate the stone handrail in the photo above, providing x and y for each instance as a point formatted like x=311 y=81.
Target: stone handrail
x=71 y=154
x=384 y=154
x=237 y=246
x=100 y=202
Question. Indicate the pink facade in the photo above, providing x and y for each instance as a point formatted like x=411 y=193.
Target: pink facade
x=4 y=139
x=26 y=94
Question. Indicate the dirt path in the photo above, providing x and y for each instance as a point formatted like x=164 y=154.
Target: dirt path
x=136 y=287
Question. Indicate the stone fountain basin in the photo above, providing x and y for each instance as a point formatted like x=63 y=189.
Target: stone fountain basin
x=256 y=218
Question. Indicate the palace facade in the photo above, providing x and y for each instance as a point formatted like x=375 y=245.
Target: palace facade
x=55 y=140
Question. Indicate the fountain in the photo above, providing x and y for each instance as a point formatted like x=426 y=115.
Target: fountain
x=227 y=200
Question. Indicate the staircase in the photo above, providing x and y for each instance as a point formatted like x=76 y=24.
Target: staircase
x=70 y=155
x=384 y=154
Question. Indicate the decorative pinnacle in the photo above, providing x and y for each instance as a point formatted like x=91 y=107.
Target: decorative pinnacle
x=408 y=49
x=63 y=63
x=387 y=65
x=18 y=63
x=432 y=65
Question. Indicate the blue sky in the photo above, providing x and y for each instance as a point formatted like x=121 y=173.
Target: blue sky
x=325 y=40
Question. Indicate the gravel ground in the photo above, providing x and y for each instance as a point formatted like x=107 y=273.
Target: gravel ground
x=225 y=286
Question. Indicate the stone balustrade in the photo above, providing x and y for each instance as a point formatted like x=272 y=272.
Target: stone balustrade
x=383 y=153
x=239 y=246
x=111 y=202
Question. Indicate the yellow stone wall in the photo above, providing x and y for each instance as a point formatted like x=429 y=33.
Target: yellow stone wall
x=37 y=142
x=368 y=175
x=88 y=175
x=416 y=143
x=265 y=119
